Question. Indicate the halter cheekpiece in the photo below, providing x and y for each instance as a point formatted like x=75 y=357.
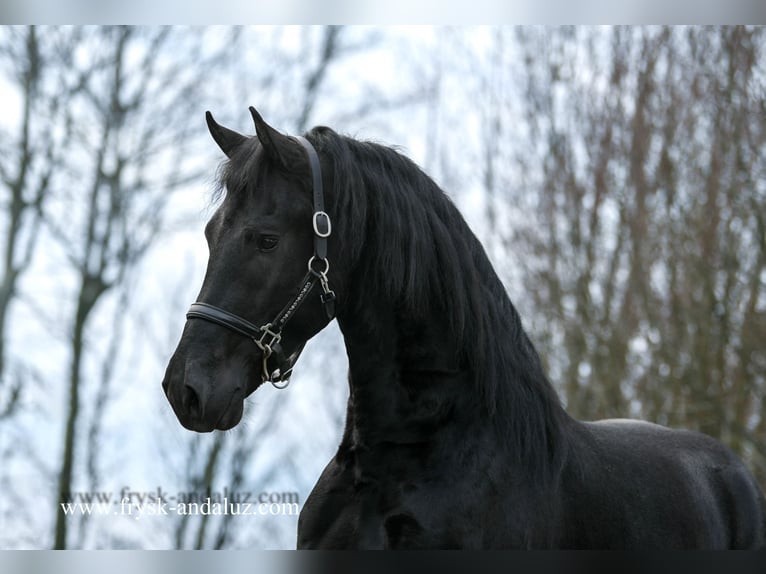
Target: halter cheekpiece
x=268 y=337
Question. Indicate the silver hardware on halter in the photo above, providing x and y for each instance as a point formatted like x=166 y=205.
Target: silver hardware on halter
x=324 y=283
x=320 y=273
x=267 y=349
x=280 y=380
x=277 y=382
x=276 y=337
x=315 y=221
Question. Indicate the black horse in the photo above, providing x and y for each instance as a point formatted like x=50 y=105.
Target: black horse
x=454 y=436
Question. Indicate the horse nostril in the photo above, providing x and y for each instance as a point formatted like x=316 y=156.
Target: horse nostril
x=191 y=400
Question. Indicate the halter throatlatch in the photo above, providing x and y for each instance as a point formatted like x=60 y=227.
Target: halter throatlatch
x=268 y=337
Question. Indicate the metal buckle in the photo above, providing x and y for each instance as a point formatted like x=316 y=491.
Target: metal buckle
x=267 y=332
x=268 y=350
x=316 y=224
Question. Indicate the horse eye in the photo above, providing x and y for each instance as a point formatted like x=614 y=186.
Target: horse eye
x=267 y=242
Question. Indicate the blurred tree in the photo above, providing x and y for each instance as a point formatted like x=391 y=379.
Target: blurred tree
x=640 y=175
x=128 y=150
x=30 y=152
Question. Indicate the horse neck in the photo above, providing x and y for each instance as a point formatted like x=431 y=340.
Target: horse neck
x=409 y=386
x=449 y=365
x=397 y=364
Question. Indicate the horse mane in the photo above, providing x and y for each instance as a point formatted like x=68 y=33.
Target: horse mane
x=435 y=264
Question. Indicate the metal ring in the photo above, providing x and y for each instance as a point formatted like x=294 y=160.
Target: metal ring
x=281 y=384
x=315 y=223
x=326 y=263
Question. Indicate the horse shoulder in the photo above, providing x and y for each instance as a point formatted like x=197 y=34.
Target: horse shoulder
x=326 y=519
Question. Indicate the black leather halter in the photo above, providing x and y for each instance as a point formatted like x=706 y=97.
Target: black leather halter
x=268 y=337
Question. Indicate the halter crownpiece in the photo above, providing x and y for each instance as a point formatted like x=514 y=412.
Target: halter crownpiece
x=268 y=337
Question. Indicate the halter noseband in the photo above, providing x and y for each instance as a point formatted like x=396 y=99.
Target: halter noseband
x=267 y=337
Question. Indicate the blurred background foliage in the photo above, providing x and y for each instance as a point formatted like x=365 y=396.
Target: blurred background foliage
x=616 y=176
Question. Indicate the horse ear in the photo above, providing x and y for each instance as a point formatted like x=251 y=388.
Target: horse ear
x=228 y=140
x=279 y=147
